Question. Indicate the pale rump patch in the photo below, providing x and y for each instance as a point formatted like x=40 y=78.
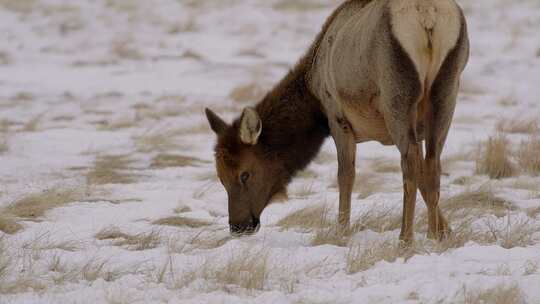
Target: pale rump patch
x=427 y=30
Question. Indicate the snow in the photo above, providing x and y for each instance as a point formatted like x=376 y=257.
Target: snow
x=92 y=78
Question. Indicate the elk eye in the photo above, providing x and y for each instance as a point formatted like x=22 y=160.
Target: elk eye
x=244 y=177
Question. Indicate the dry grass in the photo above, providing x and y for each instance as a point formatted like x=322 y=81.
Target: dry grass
x=481 y=201
x=173 y=160
x=125 y=49
x=508 y=101
x=386 y=165
x=526 y=183
x=190 y=54
x=514 y=233
x=247 y=269
x=180 y=221
x=308 y=218
x=8 y=224
x=463 y=180
x=19 y=6
x=361 y=257
x=5 y=58
x=533 y=212
x=5 y=259
x=4 y=147
x=140 y=241
x=470 y=88
x=119 y=124
x=247 y=93
x=501 y=294
x=332 y=235
x=35 y=205
x=367 y=184
x=303 y=190
x=494 y=158
x=157 y=141
x=298 y=5
x=33 y=124
x=529 y=126
x=111 y=169
x=449 y=161
x=528 y=156
x=380 y=220
x=531 y=267
x=182 y=209
x=187 y=25
x=41 y=242
x=201 y=239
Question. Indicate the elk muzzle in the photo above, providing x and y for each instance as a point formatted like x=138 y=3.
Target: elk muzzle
x=246 y=228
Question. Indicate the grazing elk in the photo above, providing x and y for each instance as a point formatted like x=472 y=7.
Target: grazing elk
x=384 y=70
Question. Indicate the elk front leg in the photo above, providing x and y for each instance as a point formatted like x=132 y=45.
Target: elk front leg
x=346 y=152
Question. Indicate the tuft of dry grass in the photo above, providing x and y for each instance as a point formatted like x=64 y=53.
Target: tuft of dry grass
x=33 y=124
x=531 y=267
x=140 y=241
x=4 y=147
x=180 y=221
x=8 y=224
x=508 y=101
x=463 y=180
x=361 y=257
x=35 y=205
x=182 y=209
x=377 y=219
x=494 y=158
x=304 y=190
x=298 y=5
x=121 y=123
x=501 y=294
x=124 y=49
x=367 y=184
x=188 y=25
x=480 y=201
x=528 y=156
x=533 y=212
x=247 y=93
x=5 y=259
x=201 y=239
x=308 y=218
x=332 y=235
x=386 y=165
x=247 y=269
x=43 y=241
x=529 y=126
x=111 y=169
x=157 y=141
x=19 y=6
x=173 y=160
x=5 y=58
x=518 y=233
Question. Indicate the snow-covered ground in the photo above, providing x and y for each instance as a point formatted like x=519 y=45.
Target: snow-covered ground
x=108 y=189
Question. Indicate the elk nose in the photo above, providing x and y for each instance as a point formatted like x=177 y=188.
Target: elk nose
x=247 y=228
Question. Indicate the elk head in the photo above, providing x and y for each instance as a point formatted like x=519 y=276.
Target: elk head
x=250 y=172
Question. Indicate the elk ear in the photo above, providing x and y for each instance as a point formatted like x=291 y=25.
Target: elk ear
x=216 y=124
x=250 y=126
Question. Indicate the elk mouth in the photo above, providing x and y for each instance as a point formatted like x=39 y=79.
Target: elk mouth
x=248 y=228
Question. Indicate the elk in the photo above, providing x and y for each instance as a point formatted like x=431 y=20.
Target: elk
x=382 y=70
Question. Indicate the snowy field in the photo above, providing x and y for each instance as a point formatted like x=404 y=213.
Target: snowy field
x=108 y=191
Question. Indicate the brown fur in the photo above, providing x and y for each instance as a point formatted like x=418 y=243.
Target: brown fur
x=375 y=92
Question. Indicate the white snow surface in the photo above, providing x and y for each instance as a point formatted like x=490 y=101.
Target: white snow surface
x=80 y=79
